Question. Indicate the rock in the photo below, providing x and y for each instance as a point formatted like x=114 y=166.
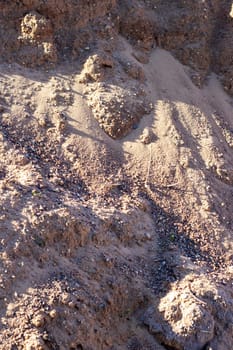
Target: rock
x=35 y=27
x=36 y=39
x=118 y=110
x=95 y=67
x=182 y=321
x=53 y=313
x=60 y=120
x=231 y=12
x=38 y=320
x=147 y=136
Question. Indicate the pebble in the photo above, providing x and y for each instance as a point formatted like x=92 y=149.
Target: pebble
x=38 y=320
x=53 y=313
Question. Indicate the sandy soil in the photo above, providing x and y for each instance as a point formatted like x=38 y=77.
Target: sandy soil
x=116 y=174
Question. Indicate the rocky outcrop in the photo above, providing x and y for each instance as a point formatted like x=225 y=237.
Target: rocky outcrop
x=40 y=32
x=198 y=33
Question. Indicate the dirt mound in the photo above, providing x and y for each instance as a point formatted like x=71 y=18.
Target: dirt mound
x=116 y=175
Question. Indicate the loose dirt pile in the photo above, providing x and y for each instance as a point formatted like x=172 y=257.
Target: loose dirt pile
x=116 y=174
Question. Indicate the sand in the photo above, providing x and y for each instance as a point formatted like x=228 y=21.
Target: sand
x=116 y=174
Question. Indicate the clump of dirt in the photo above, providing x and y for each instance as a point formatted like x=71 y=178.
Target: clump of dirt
x=37 y=40
x=118 y=110
x=38 y=31
x=192 y=312
x=95 y=68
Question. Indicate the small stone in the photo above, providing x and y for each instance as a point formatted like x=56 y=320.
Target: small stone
x=65 y=298
x=43 y=121
x=148 y=235
x=38 y=320
x=231 y=12
x=147 y=136
x=53 y=313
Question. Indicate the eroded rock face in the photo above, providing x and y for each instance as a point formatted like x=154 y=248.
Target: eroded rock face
x=36 y=32
x=35 y=27
x=37 y=41
x=198 y=33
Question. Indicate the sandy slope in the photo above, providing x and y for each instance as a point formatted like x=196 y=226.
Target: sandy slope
x=193 y=148
x=115 y=244
x=116 y=174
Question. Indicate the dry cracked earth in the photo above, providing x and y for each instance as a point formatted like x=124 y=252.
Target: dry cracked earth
x=116 y=175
